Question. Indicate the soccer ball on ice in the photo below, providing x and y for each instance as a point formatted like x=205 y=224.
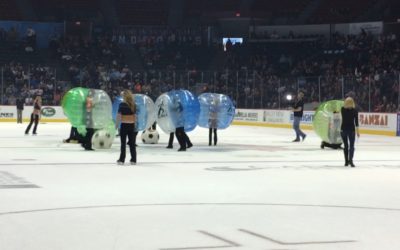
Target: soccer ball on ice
x=102 y=139
x=150 y=136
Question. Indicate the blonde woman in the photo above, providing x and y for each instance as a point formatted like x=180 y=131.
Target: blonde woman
x=37 y=106
x=127 y=117
x=349 y=129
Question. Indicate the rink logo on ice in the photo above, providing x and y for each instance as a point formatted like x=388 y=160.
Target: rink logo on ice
x=374 y=120
x=48 y=111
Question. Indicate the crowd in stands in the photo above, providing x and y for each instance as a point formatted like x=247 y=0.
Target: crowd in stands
x=364 y=64
x=30 y=81
x=255 y=75
x=163 y=47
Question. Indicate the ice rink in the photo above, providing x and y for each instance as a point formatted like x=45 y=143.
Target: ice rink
x=254 y=190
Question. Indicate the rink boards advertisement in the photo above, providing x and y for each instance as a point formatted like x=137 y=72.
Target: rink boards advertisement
x=370 y=123
x=398 y=124
x=48 y=114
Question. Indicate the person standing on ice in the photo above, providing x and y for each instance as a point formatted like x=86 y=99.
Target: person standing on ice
x=349 y=129
x=37 y=106
x=127 y=118
x=20 y=109
x=213 y=121
x=297 y=109
x=181 y=136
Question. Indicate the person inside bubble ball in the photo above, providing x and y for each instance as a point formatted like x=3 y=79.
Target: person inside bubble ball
x=333 y=132
x=87 y=140
x=181 y=136
x=213 y=121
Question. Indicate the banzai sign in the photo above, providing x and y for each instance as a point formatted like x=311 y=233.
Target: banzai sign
x=374 y=119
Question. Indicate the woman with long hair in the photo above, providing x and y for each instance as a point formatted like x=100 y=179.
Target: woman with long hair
x=127 y=117
x=37 y=106
x=349 y=129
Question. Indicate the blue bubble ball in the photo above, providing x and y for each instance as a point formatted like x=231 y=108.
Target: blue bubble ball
x=117 y=101
x=216 y=111
x=177 y=108
x=145 y=111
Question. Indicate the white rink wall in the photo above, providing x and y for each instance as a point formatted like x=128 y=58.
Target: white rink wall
x=370 y=123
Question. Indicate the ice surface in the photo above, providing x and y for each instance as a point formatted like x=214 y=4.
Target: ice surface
x=254 y=190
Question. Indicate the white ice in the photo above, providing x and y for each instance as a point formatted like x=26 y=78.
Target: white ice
x=254 y=190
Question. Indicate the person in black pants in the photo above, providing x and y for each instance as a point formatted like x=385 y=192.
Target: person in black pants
x=183 y=139
x=188 y=143
x=213 y=122
x=127 y=117
x=171 y=140
x=74 y=136
x=37 y=106
x=181 y=136
x=348 y=130
x=20 y=109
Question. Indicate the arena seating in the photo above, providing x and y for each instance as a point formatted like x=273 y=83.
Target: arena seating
x=9 y=10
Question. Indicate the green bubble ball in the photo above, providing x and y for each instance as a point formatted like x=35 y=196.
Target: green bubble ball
x=74 y=105
x=327 y=121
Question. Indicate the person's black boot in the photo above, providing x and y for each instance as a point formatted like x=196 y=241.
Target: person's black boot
x=346 y=157
x=351 y=154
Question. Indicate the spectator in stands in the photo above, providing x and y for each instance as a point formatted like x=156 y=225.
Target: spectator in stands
x=30 y=40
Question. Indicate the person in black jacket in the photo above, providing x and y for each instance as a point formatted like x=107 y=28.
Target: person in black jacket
x=297 y=109
x=20 y=108
x=349 y=129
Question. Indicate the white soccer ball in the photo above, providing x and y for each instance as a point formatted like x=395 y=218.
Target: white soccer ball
x=150 y=136
x=102 y=139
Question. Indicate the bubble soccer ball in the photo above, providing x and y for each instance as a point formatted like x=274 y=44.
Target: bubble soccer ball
x=216 y=111
x=327 y=121
x=177 y=108
x=102 y=139
x=150 y=136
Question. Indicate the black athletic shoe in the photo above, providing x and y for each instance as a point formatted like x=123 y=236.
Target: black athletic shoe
x=170 y=147
x=296 y=140
x=352 y=164
x=304 y=137
x=189 y=145
x=182 y=149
